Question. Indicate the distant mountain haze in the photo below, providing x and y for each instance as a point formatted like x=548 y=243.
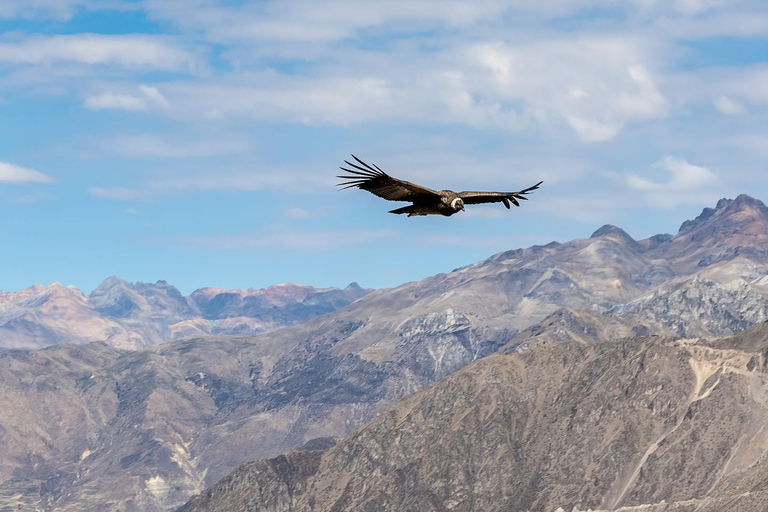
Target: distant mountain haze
x=134 y=315
x=94 y=427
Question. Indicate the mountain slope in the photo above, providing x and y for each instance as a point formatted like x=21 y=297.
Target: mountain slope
x=624 y=423
x=134 y=315
x=196 y=408
x=43 y=315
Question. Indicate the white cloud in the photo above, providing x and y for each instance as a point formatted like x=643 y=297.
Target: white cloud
x=683 y=177
x=332 y=20
x=119 y=193
x=309 y=21
x=314 y=240
x=286 y=179
x=129 y=51
x=692 y=7
x=57 y=9
x=110 y=100
x=588 y=206
x=732 y=90
x=157 y=146
x=306 y=100
x=131 y=211
x=755 y=142
x=747 y=83
x=729 y=107
x=298 y=181
x=34 y=198
x=726 y=24
x=297 y=213
x=687 y=8
x=10 y=173
x=595 y=84
x=591 y=130
x=150 y=97
x=154 y=96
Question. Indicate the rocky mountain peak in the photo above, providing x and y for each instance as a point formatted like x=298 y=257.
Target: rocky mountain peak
x=742 y=201
x=617 y=234
x=735 y=228
x=107 y=284
x=727 y=214
x=610 y=230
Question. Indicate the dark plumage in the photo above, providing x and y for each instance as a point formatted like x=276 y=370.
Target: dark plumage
x=425 y=200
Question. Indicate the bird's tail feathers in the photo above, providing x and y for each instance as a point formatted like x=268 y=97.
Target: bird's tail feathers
x=410 y=210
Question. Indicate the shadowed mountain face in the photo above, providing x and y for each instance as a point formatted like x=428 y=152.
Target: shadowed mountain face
x=134 y=315
x=169 y=420
x=676 y=425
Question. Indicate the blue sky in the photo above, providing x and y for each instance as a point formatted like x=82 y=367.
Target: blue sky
x=197 y=141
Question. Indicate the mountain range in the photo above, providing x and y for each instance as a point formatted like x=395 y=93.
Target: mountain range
x=134 y=315
x=98 y=427
x=643 y=424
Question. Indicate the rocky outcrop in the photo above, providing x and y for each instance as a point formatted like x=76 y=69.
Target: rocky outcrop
x=699 y=307
x=639 y=424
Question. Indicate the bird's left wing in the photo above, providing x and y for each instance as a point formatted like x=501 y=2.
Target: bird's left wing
x=379 y=183
x=497 y=197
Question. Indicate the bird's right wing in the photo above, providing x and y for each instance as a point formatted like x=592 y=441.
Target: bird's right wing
x=379 y=183
x=497 y=197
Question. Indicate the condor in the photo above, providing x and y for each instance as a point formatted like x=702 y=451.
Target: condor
x=425 y=200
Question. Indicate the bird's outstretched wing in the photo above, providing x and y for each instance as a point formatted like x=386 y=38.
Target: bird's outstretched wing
x=497 y=197
x=379 y=183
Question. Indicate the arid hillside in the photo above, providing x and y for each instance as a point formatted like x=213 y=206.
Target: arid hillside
x=640 y=424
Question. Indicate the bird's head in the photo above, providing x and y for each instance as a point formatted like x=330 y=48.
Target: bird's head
x=457 y=204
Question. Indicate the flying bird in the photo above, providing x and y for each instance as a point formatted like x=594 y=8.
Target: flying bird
x=425 y=200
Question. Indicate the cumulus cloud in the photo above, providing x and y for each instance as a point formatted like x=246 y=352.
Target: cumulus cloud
x=148 y=97
x=10 y=173
x=683 y=177
x=594 y=84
